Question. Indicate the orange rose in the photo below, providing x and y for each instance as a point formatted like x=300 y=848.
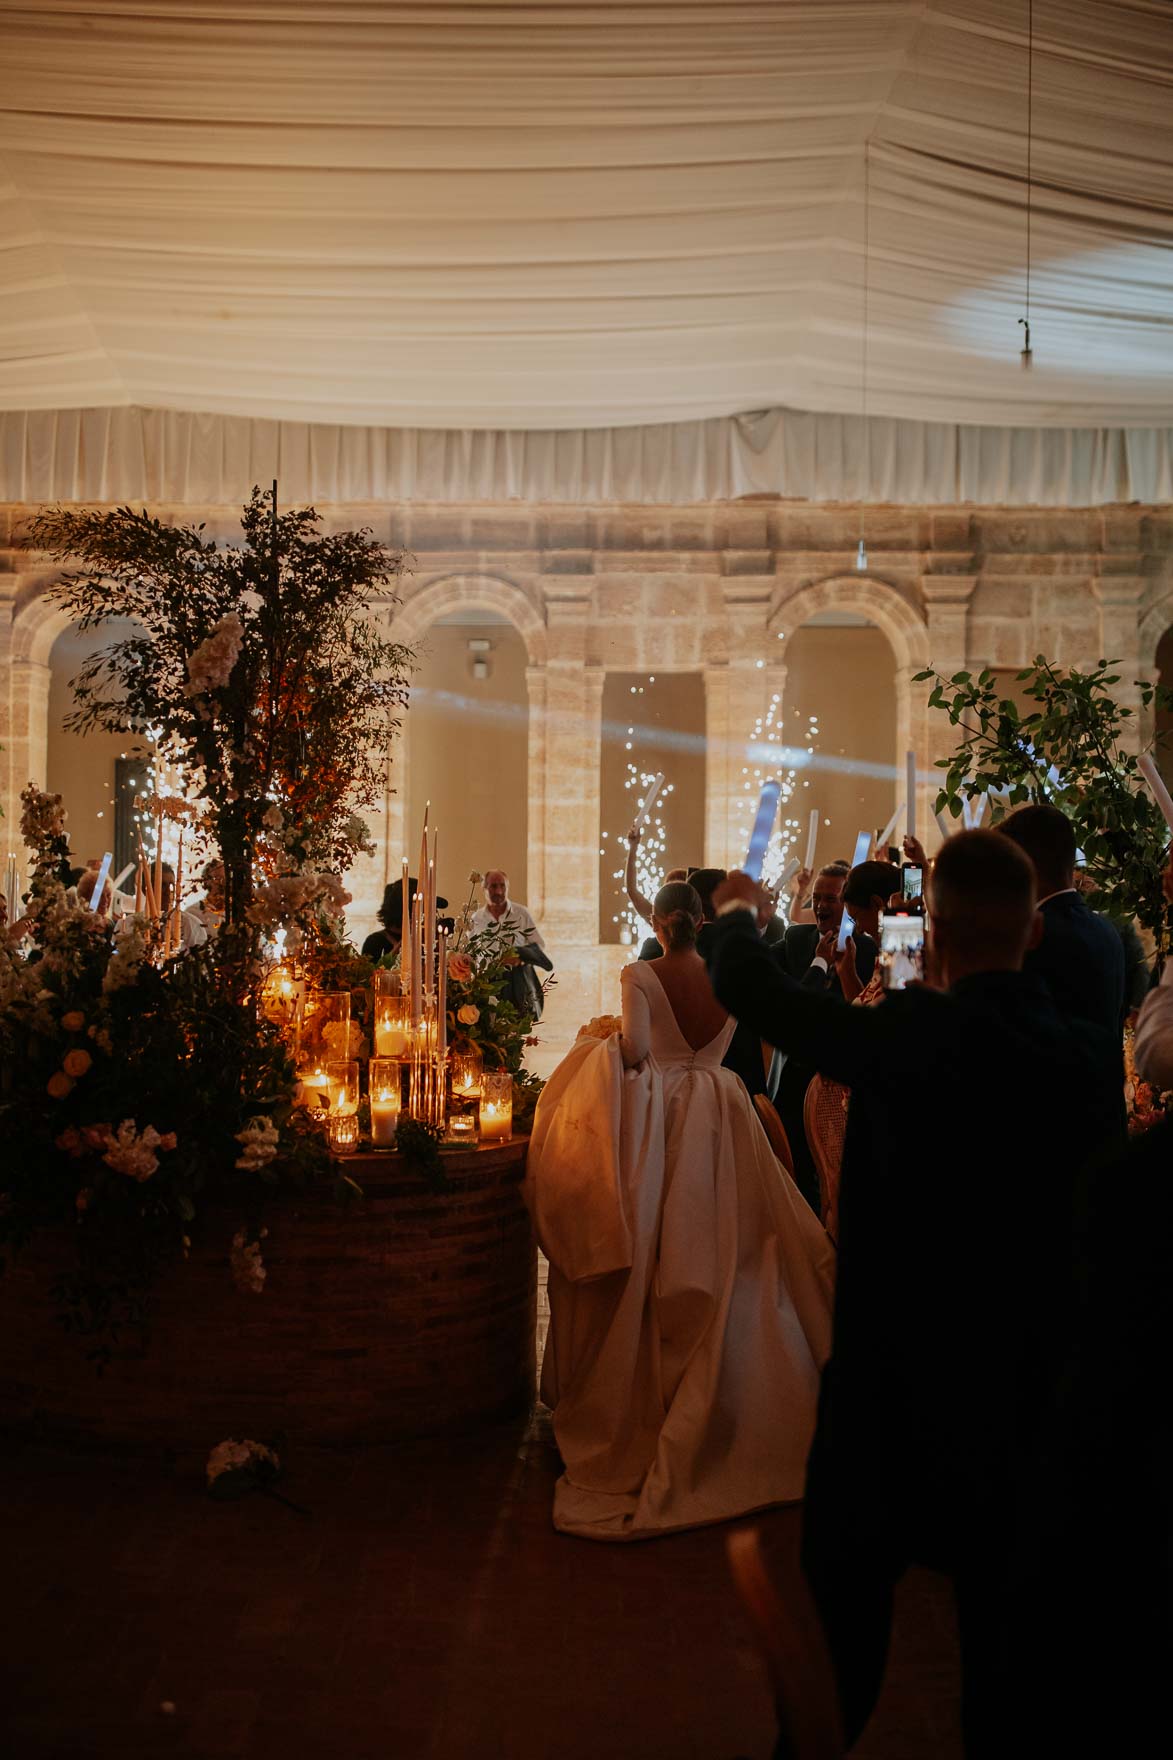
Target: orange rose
x=74 y=1021
x=459 y=968
x=76 y=1063
x=469 y=1015
x=59 y=1085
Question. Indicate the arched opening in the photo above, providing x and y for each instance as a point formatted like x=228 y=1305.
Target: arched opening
x=96 y=773
x=840 y=703
x=467 y=749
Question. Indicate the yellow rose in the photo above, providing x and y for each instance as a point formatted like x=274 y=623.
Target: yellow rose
x=469 y=1015
x=76 y=1063
x=59 y=1085
x=74 y=1021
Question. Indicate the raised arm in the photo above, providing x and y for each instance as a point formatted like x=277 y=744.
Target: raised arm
x=636 y=1039
x=843 y=1043
x=639 y=903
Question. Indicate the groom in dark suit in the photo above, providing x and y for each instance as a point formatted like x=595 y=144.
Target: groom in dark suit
x=972 y=1108
x=806 y=953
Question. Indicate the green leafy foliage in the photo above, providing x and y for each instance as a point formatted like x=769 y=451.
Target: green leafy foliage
x=1069 y=749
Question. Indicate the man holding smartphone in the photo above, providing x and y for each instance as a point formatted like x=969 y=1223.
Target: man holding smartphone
x=954 y=1271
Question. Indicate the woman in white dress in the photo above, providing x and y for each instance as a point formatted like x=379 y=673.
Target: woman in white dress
x=690 y=1283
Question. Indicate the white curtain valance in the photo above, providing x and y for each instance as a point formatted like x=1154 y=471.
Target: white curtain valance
x=114 y=455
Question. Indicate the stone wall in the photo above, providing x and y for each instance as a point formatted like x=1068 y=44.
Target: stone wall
x=717 y=589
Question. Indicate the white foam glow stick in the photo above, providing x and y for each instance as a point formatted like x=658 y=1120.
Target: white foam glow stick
x=100 y=882
x=885 y=838
x=846 y=926
x=973 y=812
x=649 y=801
x=863 y=846
x=1160 y=793
x=763 y=828
x=120 y=882
x=943 y=826
x=910 y=769
x=788 y=873
x=812 y=836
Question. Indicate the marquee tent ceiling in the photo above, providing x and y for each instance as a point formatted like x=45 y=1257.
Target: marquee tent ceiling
x=565 y=215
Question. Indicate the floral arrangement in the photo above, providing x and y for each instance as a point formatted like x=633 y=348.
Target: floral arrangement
x=261 y=673
x=601 y=1026
x=1145 y=1106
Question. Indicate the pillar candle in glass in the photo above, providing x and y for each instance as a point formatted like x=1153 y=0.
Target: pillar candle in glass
x=392 y=1016
x=465 y=1069
x=496 y=1107
x=342 y=1133
x=342 y=1076
x=384 y=1090
x=325 y=1028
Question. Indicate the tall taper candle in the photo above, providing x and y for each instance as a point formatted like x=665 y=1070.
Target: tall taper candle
x=430 y=932
x=138 y=890
x=442 y=997
x=414 y=962
x=159 y=864
x=910 y=768
x=405 y=931
x=812 y=837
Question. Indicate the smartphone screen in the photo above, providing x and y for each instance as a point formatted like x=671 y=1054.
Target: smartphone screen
x=846 y=928
x=902 y=950
x=912 y=881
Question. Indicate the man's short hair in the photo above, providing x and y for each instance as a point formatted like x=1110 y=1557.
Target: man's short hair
x=87 y=885
x=983 y=887
x=1048 y=837
x=839 y=869
x=703 y=882
x=871 y=880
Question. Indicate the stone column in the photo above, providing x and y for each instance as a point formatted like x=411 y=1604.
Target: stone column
x=921 y=729
x=1119 y=597
x=535 y=684
x=570 y=734
x=737 y=696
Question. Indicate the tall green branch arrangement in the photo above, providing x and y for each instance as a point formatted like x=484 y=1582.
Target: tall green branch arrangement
x=1066 y=748
x=260 y=667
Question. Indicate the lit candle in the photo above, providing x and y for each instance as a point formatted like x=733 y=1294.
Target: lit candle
x=496 y=1109
x=405 y=930
x=462 y=1124
x=384 y=1115
x=138 y=891
x=342 y=1133
x=430 y=931
x=159 y=864
x=391 y=1038
x=416 y=937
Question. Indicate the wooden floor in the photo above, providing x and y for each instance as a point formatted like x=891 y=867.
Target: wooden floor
x=424 y=1606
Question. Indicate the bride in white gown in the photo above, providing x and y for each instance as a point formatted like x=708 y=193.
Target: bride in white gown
x=690 y=1283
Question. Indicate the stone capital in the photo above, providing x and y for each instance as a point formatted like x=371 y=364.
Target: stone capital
x=948 y=589
x=1119 y=592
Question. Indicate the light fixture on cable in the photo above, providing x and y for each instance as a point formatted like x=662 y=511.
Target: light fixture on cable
x=1026 y=353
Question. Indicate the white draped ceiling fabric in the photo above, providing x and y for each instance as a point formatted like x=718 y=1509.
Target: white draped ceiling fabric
x=559 y=250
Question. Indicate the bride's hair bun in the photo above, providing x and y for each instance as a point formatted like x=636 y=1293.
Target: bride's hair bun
x=678 y=907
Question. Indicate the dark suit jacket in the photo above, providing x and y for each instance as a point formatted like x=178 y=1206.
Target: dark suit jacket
x=1081 y=961
x=744 y=1056
x=790 y=1080
x=970 y=1114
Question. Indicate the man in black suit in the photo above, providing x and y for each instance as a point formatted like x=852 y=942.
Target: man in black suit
x=1080 y=957
x=953 y=1283
x=807 y=953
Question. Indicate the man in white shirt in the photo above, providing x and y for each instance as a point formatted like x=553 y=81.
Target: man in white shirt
x=500 y=908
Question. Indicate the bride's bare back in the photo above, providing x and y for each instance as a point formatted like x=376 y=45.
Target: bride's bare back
x=685 y=982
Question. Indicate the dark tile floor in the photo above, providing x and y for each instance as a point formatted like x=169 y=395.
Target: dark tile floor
x=425 y=1606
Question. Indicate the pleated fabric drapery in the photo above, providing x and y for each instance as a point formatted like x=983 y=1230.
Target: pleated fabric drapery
x=174 y=456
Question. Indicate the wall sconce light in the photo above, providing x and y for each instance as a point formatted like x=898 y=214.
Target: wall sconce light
x=480 y=649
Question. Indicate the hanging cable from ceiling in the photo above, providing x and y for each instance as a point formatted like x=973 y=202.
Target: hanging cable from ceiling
x=1026 y=355
x=861 y=555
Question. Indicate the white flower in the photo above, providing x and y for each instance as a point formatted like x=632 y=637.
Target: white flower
x=248 y=1270
x=231 y=1455
x=132 y=1152
x=260 y=1138
x=282 y=899
x=130 y=950
x=274 y=819
x=210 y=666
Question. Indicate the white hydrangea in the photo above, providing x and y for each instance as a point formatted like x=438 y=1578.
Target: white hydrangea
x=259 y=1139
x=209 y=667
x=132 y=1152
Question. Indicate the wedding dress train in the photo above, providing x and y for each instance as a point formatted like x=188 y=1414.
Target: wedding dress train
x=690 y=1284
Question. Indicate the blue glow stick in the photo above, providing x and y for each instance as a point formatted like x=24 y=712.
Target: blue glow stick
x=846 y=926
x=100 y=883
x=763 y=828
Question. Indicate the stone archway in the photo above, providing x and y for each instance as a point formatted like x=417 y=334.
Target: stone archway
x=427 y=602
x=36 y=623
x=907 y=633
